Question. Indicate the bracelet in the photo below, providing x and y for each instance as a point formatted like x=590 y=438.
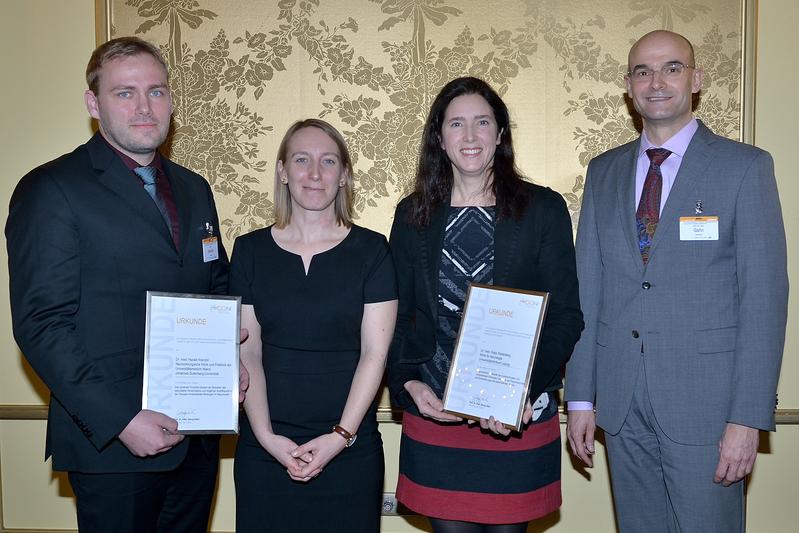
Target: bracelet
x=349 y=437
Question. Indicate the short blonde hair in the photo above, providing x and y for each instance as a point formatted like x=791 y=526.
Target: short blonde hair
x=116 y=48
x=343 y=202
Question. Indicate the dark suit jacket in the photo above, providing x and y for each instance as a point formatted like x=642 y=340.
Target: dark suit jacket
x=710 y=314
x=85 y=241
x=533 y=253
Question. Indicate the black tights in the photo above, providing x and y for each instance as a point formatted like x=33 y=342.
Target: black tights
x=455 y=526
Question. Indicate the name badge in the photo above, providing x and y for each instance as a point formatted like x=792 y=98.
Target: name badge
x=699 y=228
x=210 y=249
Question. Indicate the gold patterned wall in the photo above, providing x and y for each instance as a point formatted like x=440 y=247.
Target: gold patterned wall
x=243 y=70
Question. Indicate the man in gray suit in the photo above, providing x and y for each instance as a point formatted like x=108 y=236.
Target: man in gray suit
x=683 y=281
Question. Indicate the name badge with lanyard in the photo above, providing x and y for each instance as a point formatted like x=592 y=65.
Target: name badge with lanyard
x=210 y=244
x=700 y=227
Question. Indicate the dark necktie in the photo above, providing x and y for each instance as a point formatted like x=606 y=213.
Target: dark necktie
x=648 y=213
x=148 y=176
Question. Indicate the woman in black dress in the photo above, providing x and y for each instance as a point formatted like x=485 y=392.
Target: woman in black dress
x=472 y=218
x=319 y=301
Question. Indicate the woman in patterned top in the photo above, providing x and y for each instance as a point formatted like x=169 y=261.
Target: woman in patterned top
x=473 y=218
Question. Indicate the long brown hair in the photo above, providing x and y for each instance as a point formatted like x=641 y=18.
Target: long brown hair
x=433 y=183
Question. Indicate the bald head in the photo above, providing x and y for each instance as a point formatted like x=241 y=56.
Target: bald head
x=661 y=82
x=662 y=38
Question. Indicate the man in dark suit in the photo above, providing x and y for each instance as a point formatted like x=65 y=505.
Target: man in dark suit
x=681 y=259
x=87 y=237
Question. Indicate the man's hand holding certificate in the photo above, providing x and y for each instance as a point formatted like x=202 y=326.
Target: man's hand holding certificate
x=494 y=354
x=191 y=360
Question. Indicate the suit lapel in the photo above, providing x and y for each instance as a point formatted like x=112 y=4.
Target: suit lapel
x=432 y=238
x=506 y=234
x=624 y=167
x=114 y=175
x=180 y=193
x=693 y=169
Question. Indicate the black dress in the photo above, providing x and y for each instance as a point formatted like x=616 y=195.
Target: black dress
x=311 y=335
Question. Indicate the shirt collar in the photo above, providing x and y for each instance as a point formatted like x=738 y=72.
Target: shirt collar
x=677 y=144
x=132 y=164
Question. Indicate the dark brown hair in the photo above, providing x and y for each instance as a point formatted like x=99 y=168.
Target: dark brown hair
x=433 y=183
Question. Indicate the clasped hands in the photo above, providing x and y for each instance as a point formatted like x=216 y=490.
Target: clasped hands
x=305 y=462
x=431 y=406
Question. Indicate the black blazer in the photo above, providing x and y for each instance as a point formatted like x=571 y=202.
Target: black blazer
x=533 y=253
x=85 y=241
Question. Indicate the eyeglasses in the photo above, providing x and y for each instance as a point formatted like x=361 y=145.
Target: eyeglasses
x=671 y=70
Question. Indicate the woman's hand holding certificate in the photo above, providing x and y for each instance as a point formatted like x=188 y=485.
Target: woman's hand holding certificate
x=428 y=403
x=494 y=354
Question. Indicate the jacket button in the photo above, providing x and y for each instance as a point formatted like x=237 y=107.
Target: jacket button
x=646 y=285
x=635 y=334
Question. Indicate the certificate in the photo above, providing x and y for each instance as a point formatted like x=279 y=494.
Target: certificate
x=494 y=354
x=191 y=360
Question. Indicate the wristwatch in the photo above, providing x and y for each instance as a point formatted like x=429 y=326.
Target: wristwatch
x=349 y=437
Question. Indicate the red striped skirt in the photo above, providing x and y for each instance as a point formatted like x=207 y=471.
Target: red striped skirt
x=460 y=472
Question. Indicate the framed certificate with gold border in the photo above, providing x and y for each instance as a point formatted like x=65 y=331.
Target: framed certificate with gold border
x=494 y=353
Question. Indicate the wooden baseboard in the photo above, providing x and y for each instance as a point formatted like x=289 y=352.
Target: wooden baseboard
x=384 y=414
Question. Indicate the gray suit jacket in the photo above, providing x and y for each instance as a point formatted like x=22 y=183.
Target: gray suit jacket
x=710 y=315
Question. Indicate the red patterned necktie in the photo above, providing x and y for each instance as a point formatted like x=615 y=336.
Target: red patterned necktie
x=648 y=213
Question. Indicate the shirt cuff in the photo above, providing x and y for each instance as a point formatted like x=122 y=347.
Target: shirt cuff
x=580 y=406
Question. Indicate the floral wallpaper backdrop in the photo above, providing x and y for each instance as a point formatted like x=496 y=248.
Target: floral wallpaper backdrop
x=243 y=70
